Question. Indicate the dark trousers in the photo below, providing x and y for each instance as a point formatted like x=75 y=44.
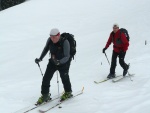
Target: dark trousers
x=63 y=70
x=121 y=56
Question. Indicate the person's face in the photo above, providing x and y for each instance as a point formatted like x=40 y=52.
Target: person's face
x=115 y=29
x=55 y=38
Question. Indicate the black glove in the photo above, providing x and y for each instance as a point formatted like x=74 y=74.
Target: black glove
x=56 y=62
x=104 y=50
x=37 y=60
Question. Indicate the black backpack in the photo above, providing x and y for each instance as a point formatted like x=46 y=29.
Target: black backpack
x=122 y=30
x=72 y=42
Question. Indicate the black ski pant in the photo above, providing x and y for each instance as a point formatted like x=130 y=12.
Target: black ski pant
x=121 y=56
x=63 y=70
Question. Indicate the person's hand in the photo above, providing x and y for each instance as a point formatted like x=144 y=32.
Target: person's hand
x=56 y=62
x=104 y=49
x=37 y=60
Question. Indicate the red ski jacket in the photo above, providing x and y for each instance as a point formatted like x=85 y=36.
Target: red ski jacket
x=119 y=40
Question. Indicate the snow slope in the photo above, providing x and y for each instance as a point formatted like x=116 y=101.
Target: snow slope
x=25 y=28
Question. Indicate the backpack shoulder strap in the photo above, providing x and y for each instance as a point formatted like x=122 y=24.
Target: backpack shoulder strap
x=121 y=33
x=63 y=38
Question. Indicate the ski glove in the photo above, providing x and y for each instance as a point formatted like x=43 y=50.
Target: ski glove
x=104 y=50
x=37 y=60
x=56 y=62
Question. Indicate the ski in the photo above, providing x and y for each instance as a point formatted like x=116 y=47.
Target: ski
x=114 y=79
x=30 y=108
x=121 y=77
x=60 y=102
x=101 y=81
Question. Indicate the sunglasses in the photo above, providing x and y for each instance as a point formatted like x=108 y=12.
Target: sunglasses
x=115 y=27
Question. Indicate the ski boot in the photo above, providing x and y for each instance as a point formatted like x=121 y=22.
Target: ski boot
x=111 y=76
x=125 y=71
x=43 y=98
x=65 y=96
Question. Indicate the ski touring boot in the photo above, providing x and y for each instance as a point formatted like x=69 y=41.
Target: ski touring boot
x=125 y=71
x=43 y=98
x=65 y=96
x=111 y=76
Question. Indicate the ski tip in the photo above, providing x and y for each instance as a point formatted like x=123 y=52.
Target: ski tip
x=40 y=111
x=82 y=89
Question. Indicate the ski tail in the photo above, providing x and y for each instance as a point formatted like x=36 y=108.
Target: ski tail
x=32 y=107
x=121 y=77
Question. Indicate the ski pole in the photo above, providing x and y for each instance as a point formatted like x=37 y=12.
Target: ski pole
x=128 y=72
x=107 y=58
x=58 y=89
x=40 y=68
x=129 y=76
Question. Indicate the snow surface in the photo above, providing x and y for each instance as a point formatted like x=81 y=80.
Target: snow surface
x=25 y=28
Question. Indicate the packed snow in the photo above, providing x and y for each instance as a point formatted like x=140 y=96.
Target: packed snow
x=24 y=30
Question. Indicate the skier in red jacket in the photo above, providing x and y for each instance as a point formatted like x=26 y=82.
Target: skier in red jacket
x=120 y=46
